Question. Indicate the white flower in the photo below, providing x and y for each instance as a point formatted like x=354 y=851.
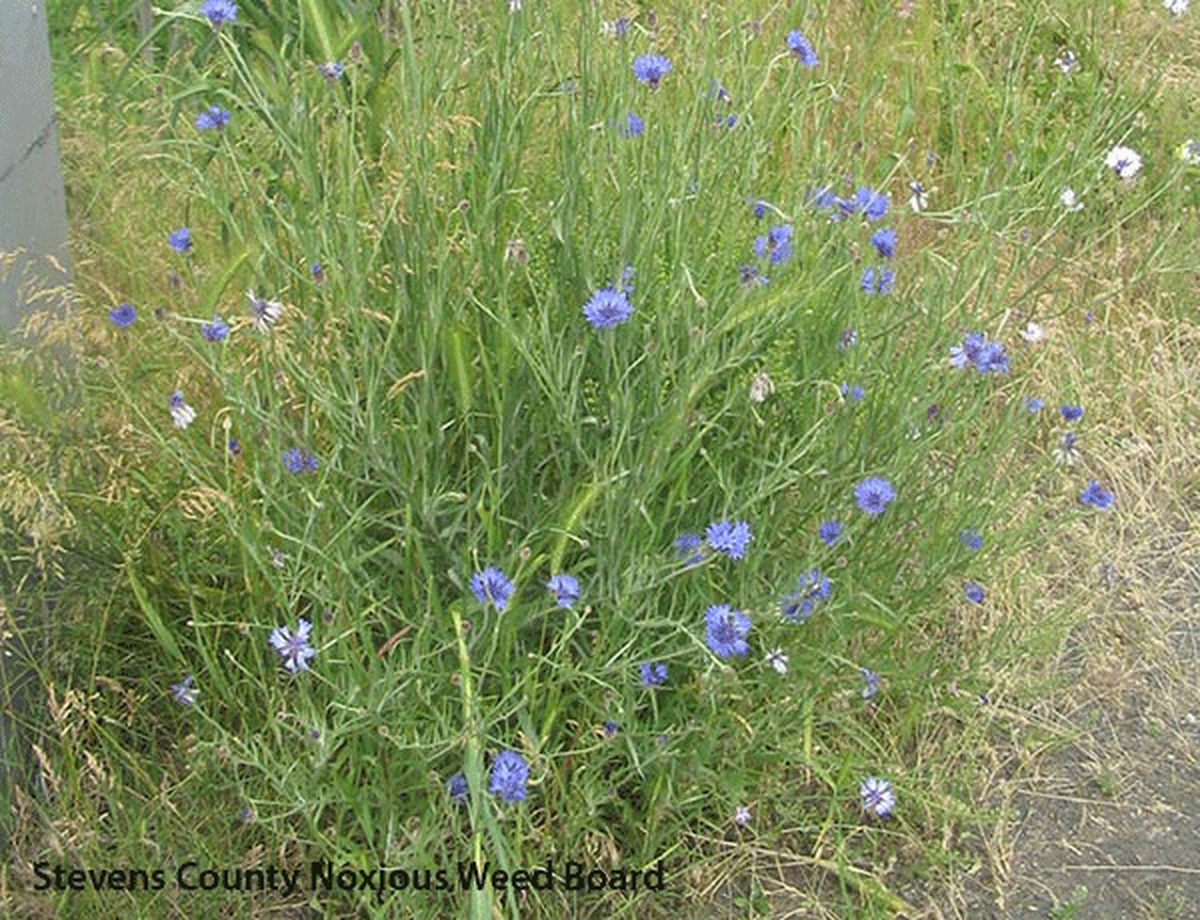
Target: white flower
x=1066 y=60
x=741 y=816
x=1066 y=453
x=761 y=387
x=514 y=5
x=181 y=413
x=1033 y=332
x=1175 y=7
x=920 y=199
x=1190 y=152
x=1124 y=161
x=1070 y=200
x=778 y=660
x=265 y=312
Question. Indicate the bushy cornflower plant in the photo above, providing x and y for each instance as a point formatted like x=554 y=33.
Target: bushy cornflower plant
x=501 y=552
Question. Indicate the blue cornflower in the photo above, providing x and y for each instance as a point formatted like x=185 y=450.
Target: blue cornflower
x=878 y=280
x=729 y=537
x=654 y=673
x=727 y=631
x=122 y=316
x=729 y=121
x=878 y=799
x=1095 y=494
x=967 y=352
x=853 y=393
x=234 y=446
x=829 y=531
x=510 y=772
x=318 y=272
x=884 y=242
x=219 y=11
x=1034 y=404
x=293 y=647
x=633 y=126
x=183 y=692
x=331 y=70
x=874 y=494
x=717 y=91
x=974 y=592
x=873 y=204
x=687 y=546
x=847 y=339
x=180 y=240
x=492 y=585
x=617 y=28
x=749 y=275
x=991 y=359
x=298 y=460
x=823 y=198
x=777 y=242
x=800 y=46
x=798 y=606
x=872 y=682
x=650 y=68
x=760 y=208
x=457 y=787
x=610 y=728
x=971 y=538
x=212 y=117
x=1071 y=413
x=607 y=307
x=565 y=589
x=215 y=331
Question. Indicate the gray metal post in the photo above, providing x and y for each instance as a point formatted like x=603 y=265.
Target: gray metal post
x=33 y=223
x=33 y=217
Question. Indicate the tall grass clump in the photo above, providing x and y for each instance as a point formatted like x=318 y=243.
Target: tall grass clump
x=515 y=401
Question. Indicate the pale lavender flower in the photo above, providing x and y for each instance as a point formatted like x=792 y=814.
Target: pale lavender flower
x=293 y=647
x=265 y=312
x=688 y=548
x=183 y=692
x=1066 y=61
x=761 y=387
x=878 y=799
x=181 y=413
x=871 y=679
